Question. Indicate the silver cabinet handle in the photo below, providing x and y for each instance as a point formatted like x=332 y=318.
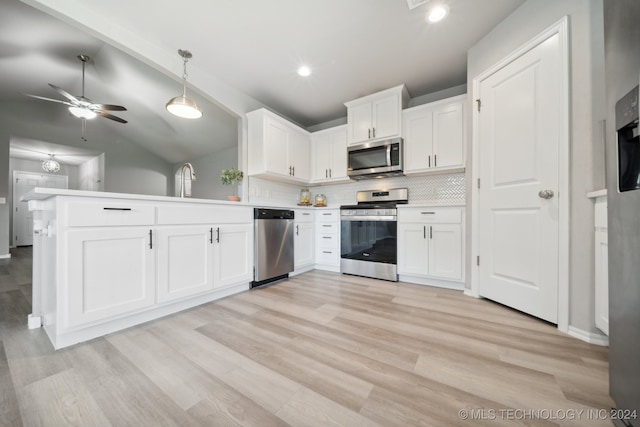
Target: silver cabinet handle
x=427 y=213
x=297 y=230
x=369 y=133
x=329 y=172
x=218 y=235
x=429 y=158
x=424 y=231
x=435 y=160
x=545 y=194
x=211 y=235
x=430 y=232
x=374 y=132
x=150 y=239
x=117 y=209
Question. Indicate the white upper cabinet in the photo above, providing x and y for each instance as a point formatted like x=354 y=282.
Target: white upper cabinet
x=278 y=149
x=376 y=116
x=434 y=136
x=329 y=155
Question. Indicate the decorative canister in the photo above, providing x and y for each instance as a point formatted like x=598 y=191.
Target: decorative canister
x=320 y=200
x=304 y=198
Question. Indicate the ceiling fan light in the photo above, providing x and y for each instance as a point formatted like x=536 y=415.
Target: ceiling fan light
x=184 y=107
x=82 y=113
x=50 y=165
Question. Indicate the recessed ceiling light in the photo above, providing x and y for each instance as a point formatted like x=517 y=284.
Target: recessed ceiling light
x=437 y=13
x=304 y=71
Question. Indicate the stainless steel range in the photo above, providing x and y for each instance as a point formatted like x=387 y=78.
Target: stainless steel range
x=369 y=234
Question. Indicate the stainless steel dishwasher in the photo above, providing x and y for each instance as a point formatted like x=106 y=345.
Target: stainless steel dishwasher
x=273 y=231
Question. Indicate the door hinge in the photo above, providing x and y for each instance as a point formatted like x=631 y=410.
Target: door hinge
x=478 y=260
x=479 y=104
x=478 y=183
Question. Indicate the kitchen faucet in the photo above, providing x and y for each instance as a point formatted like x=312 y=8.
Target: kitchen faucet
x=192 y=176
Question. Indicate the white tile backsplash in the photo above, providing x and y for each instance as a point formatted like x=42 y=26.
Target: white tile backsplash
x=439 y=189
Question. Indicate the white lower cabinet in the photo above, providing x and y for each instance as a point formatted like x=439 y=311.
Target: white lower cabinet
x=125 y=262
x=328 y=240
x=197 y=259
x=303 y=239
x=110 y=272
x=185 y=261
x=431 y=244
x=232 y=254
x=601 y=261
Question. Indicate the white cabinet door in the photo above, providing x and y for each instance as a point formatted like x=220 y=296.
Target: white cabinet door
x=185 y=261
x=276 y=148
x=448 y=142
x=418 y=139
x=359 y=122
x=445 y=251
x=434 y=136
x=376 y=116
x=329 y=154
x=109 y=272
x=232 y=254
x=413 y=249
x=602 y=281
x=385 y=120
x=321 y=157
x=338 y=143
x=299 y=153
x=304 y=247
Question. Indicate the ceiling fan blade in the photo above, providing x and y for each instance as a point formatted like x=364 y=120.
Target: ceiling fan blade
x=107 y=107
x=65 y=94
x=50 y=99
x=110 y=116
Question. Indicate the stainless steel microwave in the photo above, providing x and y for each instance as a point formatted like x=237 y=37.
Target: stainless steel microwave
x=375 y=159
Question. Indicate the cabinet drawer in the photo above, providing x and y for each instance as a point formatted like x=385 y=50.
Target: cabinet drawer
x=328 y=256
x=303 y=215
x=328 y=227
x=327 y=241
x=105 y=213
x=207 y=214
x=329 y=216
x=431 y=215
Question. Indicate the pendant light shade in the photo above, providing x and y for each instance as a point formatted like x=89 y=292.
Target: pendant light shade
x=50 y=165
x=182 y=106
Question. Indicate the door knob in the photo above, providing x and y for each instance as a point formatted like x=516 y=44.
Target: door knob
x=545 y=194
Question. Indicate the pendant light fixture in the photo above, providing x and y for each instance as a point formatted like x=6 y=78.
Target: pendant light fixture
x=50 y=165
x=182 y=106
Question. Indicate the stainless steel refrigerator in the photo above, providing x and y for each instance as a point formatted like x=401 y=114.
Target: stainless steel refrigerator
x=622 y=70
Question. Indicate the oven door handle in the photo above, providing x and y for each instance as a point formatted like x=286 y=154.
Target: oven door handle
x=368 y=218
x=388 y=155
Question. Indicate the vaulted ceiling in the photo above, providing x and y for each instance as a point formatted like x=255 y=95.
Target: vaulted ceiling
x=354 y=47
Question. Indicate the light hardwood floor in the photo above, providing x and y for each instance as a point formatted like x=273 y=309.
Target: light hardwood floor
x=321 y=349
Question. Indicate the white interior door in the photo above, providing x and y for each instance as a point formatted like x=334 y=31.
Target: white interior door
x=519 y=144
x=23 y=182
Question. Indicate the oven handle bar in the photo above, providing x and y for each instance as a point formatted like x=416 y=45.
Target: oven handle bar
x=368 y=218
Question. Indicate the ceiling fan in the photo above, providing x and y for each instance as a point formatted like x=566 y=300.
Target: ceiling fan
x=81 y=106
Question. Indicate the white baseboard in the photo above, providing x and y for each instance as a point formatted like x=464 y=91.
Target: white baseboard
x=5 y=256
x=458 y=286
x=590 y=337
x=470 y=293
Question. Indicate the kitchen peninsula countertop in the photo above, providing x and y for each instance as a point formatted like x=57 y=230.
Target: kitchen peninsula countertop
x=40 y=193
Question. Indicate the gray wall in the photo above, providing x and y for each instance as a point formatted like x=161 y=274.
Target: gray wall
x=128 y=167
x=586 y=114
x=208 y=170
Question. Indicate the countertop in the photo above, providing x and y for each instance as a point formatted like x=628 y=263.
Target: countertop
x=438 y=204
x=40 y=193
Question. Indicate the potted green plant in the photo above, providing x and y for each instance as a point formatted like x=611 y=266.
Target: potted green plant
x=231 y=177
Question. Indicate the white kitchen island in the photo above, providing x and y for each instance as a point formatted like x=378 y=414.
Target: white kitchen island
x=103 y=262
